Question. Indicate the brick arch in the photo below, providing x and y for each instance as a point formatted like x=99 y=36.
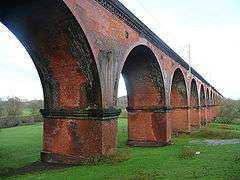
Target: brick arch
x=203 y=111
x=143 y=78
x=179 y=103
x=146 y=97
x=194 y=98
x=158 y=65
x=207 y=97
x=178 y=93
x=208 y=105
x=71 y=86
x=59 y=50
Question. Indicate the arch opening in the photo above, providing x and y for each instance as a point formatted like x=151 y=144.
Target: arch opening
x=194 y=94
x=208 y=97
x=178 y=90
x=179 y=103
x=143 y=79
x=211 y=97
x=203 y=113
x=194 y=103
x=208 y=107
x=202 y=97
x=146 y=98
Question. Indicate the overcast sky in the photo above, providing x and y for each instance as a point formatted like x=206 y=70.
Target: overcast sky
x=211 y=27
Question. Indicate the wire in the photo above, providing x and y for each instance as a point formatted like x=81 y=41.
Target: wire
x=156 y=20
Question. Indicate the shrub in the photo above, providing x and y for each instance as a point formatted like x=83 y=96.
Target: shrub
x=109 y=159
x=12 y=121
x=230 y=113
x=236 y=158
x=223 y=120
x=187 y=153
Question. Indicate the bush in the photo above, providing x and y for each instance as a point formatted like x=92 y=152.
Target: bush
x=12 y=121
x=111 y=159
x=236 y=158
x=224 y=120
x=187 y=153
x=230 y=113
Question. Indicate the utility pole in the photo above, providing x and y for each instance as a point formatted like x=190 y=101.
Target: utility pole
x=189 y=60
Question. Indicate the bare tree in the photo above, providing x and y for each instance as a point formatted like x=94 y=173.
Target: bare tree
x=13 y=106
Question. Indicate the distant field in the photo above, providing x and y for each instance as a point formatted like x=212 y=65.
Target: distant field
x=20 y=146
x=26 y=112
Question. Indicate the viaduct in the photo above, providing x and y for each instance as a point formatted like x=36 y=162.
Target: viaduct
x=80 y=48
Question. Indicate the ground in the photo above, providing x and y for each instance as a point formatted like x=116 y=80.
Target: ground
x=20 y=146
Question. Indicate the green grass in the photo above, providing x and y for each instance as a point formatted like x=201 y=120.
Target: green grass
x=21 y=146
x=26 y=112
x=218 y=132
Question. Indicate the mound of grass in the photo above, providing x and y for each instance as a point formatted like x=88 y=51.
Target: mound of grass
x=225 y=127
x=216 y=134
x=187 y=153
x=118 y=157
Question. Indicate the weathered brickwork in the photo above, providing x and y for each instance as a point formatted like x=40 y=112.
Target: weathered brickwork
x=80 y=48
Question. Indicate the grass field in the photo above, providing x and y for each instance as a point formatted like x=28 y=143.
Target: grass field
x=20 y=146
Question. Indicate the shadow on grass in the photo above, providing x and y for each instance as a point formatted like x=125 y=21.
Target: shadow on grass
x=42 y=166
x=34 y=167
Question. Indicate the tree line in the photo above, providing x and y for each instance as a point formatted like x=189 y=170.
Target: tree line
x=15 y=111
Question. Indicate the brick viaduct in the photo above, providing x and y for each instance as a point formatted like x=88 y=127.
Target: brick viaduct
x=80 y=48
